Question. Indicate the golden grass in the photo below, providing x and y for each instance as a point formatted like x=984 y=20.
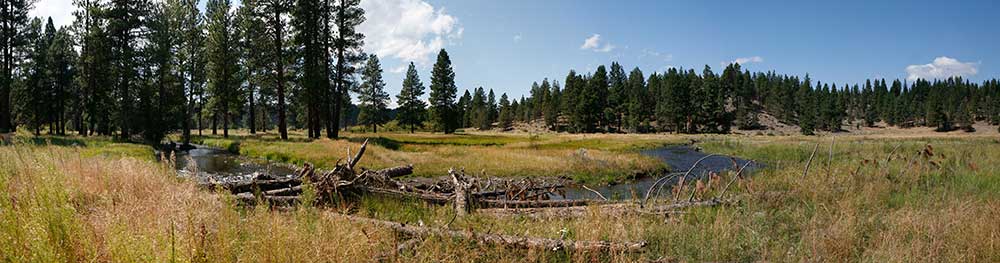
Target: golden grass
x=601 y=158
x=58 y=204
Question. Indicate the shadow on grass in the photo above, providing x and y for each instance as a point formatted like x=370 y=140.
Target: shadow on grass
x=380 y=141
x=52 y=140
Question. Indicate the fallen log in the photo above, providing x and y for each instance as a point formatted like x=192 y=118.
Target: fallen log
x=250 y=199
x=519 y=242
x=427 y=197
x=396 y=171
x=499 y=193
x=615 y=209
x=489 y=203
x=284 y=191
x=250 y=186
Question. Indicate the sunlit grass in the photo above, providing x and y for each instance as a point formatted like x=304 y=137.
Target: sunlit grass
x=858 y=204
x=593 y=158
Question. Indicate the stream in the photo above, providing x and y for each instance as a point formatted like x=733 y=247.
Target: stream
x=206 y=164
x=679 y=158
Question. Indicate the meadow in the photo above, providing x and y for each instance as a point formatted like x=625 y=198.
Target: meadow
x=863 y=198
x=592 y=158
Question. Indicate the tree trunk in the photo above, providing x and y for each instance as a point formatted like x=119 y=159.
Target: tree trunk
x=199 y=122
x=280 y=72
x=186 y=124
x=6 y=76
x=332 y=120
x=215 y=121
x=263 y=117
x=339 y=88
x=253 y=111
x=225 y=124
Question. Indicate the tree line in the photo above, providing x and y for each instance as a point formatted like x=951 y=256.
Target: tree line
x=148 y=68
x=683 y=101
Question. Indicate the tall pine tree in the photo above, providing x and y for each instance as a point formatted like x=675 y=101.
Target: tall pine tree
x=372 y=96
x=443 y=92
x=411 y=109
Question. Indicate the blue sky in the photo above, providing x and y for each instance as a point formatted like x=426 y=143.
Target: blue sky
x=506 y=45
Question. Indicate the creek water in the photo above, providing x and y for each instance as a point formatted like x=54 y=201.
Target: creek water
x=679 y=158
x=208 y=164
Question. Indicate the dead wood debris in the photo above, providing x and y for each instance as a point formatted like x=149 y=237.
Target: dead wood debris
x=520 y=242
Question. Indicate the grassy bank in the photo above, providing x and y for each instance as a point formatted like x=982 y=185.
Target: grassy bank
x=586 y=158
x=871 y=200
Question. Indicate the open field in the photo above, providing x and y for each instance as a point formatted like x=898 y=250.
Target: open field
x=586 y=158
x=863 y=199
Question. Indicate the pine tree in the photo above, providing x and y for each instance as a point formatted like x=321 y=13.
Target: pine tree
x=252 y=39
x=712 y=116
x=221 y=51
x=347 y=43
x=373 y=98
x=617 y=96
x=868 y=98
x=411 y=109
x=124 y=23
x=442 y=95
x=805 y=106
x=14 y=22
x=189 y=38
x=591 y=102
x=553 y=106
x=30 y=95
x=162 y=92
x=506 y=118
x=307 y=20
x=491 y=108
x=479 y=111
x=637 y=102
x=464 y=110
x=274 y=12
x=94 y=63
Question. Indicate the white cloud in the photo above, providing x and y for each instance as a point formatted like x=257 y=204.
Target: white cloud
x=743 y=61
x=594 y=43
x=941 y=68
x=410 y=30
x=400 y=69
x=655 y=55
x=517 y=38
x=61 y=11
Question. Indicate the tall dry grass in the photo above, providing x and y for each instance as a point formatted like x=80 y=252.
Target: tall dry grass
x=871 y=200
x=58 y=206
